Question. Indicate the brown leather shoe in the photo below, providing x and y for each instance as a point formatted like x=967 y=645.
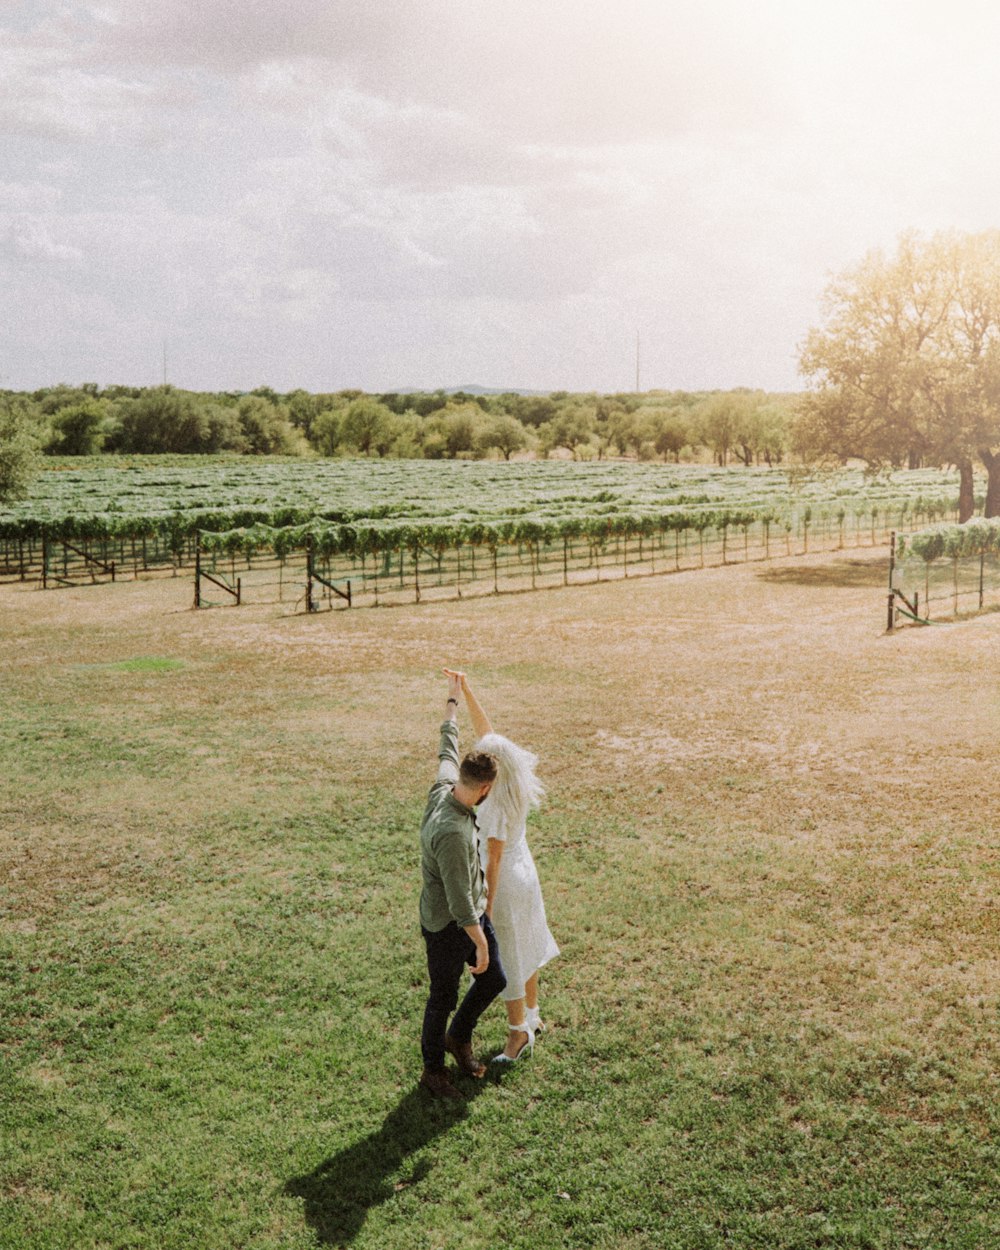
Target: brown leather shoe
x=437 y=1083
x=461 y=1052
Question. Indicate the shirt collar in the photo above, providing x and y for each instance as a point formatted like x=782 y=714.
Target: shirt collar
x=466 y=811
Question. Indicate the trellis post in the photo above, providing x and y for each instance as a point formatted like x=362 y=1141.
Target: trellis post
x=309 y=577
x=891 y=621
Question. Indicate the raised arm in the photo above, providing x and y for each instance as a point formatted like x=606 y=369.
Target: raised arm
x=448 y=750
x=480 y=721
x=454 y=693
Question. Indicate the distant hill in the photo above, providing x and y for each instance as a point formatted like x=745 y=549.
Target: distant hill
x=471 y=389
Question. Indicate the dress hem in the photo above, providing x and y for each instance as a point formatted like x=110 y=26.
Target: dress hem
x=512 y=998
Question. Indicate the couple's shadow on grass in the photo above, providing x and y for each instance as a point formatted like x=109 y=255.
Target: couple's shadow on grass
x=339 y=1193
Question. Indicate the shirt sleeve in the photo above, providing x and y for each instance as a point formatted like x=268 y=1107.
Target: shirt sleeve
x=489 y=822
x=448 y=752
x=453 y=864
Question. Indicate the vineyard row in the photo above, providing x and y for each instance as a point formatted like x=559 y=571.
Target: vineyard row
x=409 y=573
x=382 y=560
x=945 y=570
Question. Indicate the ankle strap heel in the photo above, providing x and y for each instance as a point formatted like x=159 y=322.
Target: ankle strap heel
x=529 y=1045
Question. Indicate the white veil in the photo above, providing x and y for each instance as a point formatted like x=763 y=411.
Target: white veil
x=516 y=790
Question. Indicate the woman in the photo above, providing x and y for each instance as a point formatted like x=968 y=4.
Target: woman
x=514 y=903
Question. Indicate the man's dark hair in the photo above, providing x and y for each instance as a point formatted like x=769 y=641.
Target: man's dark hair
x=477 y=768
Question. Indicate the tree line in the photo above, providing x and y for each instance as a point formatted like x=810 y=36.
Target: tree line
x=749 y=427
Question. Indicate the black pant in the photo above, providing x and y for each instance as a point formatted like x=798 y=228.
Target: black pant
x=448 y=952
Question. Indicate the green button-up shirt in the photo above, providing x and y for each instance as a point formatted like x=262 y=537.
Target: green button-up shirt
x=453 y=884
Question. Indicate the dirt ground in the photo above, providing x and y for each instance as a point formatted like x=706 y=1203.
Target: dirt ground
x=784 y=667
x=764 y=702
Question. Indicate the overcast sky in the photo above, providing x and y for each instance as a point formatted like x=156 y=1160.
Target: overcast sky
x=388 y=193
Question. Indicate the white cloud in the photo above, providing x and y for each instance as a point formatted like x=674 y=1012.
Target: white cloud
x=43 y=93
x=30 y=238
x=329 y=192
x=31 y=196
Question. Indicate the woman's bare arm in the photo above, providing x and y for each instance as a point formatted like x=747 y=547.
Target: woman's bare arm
x=480 y=721
x=494 y=854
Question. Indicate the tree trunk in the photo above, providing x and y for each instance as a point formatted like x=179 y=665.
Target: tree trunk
x=966 y=497
x=992 y=462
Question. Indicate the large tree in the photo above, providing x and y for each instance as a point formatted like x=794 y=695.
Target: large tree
x=906 y=370
x=671 y=431
x=77 y=429
x=571 y=429
x=18 y=446
x=367 y=426
x=162 y=420
x=719 y=419
x=505 y=433
x=266 y=429
x=762 y=430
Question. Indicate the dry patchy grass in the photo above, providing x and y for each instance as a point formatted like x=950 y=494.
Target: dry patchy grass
x=770 y=853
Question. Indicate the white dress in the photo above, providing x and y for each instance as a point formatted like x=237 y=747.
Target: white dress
x=518 y=910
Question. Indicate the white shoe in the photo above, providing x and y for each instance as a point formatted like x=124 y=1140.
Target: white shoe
x=534 y=1018
x=528 y=1046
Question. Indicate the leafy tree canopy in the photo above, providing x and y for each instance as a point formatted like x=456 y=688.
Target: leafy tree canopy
x=18 y=447
x=906 y=369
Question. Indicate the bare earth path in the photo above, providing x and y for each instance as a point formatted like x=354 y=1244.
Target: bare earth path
x=780 y=667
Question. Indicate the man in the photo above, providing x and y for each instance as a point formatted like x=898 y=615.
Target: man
x=453 y=917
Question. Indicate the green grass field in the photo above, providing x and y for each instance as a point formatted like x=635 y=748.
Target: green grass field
x=770 y=859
